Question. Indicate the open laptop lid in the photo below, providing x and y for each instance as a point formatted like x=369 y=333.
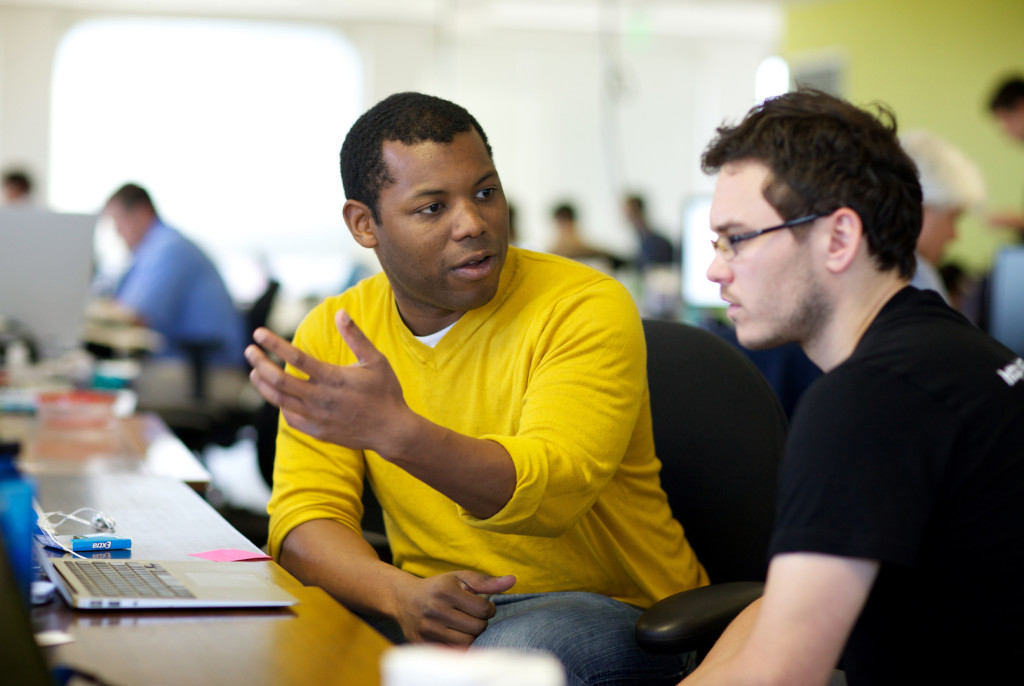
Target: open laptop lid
x=21 y=658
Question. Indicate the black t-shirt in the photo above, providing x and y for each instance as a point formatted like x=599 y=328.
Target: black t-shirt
x=911 y=453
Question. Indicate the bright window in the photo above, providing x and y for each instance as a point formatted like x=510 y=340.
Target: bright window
x=233 y=127
x=771 y=79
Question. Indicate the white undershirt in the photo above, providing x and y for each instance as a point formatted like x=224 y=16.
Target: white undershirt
x=432 y=339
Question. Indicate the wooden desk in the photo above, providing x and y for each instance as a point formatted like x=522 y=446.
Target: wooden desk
x=315 y=642
x=139 y=444
x=164 y=517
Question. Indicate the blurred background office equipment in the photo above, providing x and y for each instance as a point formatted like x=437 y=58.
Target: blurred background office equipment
x=589 y=97
x=583 y=99
x=45 y=270
x=1006 y=299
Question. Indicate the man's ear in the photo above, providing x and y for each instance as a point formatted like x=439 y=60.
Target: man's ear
x=845 y=239
x=360 y=223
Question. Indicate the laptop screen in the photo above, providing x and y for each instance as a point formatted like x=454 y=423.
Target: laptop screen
x=22 y=659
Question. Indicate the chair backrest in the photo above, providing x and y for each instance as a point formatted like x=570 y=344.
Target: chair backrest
x=259 y=312
x=719 y=431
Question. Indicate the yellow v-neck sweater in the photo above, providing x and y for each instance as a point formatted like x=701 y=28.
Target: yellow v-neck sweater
x=553 y=369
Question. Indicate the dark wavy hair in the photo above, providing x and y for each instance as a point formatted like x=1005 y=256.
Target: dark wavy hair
x=408 y=118
x=1008 y=95
x=825 y=153
x=18 y=178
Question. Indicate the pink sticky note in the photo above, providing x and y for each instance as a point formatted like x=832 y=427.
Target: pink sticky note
x=231 y=555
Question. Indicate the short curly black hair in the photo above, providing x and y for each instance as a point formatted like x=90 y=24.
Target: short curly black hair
x=408 y=118
x=824 y=153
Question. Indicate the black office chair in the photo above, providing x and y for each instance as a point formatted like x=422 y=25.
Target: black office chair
x=258 y=313
x=719 y=431
x=198 y=352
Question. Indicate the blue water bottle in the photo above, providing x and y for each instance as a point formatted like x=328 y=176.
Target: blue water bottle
x=17 y=517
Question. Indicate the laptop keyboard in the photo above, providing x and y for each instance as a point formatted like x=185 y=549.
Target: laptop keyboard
x=127 y=579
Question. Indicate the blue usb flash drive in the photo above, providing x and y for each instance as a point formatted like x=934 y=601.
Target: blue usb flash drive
x=94 y=542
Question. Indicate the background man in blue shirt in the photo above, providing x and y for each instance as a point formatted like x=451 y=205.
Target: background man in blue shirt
x=171 y=286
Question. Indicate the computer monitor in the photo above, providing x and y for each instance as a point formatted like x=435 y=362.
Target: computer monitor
x=1006 y=299
x=698 y=292
x=45 y=274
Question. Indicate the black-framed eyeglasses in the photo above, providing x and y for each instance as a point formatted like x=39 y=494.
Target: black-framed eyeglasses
x=726 y=245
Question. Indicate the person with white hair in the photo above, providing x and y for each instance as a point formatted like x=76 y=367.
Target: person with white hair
x=951 y=184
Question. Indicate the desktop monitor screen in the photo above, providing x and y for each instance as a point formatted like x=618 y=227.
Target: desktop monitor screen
x=45 y=273
x=698 y=292
x=1006 y=299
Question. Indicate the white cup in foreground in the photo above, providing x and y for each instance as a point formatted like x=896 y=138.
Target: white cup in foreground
x=431 y=665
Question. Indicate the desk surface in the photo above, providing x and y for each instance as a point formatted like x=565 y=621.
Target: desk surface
x=164 y=517
x=139 y=444
x=315 y=642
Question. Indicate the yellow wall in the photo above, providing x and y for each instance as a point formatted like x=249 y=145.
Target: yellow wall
x=936 y=63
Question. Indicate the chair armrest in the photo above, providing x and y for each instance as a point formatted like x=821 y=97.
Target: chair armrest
x=693 y=620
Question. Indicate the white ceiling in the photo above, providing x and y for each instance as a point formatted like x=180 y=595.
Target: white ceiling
x=668 y=16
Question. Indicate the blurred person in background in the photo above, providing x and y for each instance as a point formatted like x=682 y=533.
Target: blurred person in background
x=654 y=248
x=171 y=286
x=16 y=186
x=1007 y=107
x=951 y=184
x=570 y=243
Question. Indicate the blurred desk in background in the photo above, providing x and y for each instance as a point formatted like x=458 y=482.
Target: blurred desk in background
x=136 y=444
x=121 y=340
x=110 y=326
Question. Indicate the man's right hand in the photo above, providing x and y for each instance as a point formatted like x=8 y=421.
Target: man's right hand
x=448 y=608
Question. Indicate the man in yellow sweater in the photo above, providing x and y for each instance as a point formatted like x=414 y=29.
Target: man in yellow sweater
x=495 y=399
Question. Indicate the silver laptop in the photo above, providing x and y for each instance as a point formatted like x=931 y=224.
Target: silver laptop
x=88 y=583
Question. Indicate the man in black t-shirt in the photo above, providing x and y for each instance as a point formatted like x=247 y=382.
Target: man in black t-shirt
x=898 y=550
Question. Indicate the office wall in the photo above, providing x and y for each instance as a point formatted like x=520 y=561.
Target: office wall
x=936 y=63
x=540 y=90
x=28 y=41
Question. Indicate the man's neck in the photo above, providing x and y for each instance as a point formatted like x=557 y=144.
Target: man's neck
x=855 y=308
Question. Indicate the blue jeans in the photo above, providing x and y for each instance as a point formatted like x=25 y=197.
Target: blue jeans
x=591 y=634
